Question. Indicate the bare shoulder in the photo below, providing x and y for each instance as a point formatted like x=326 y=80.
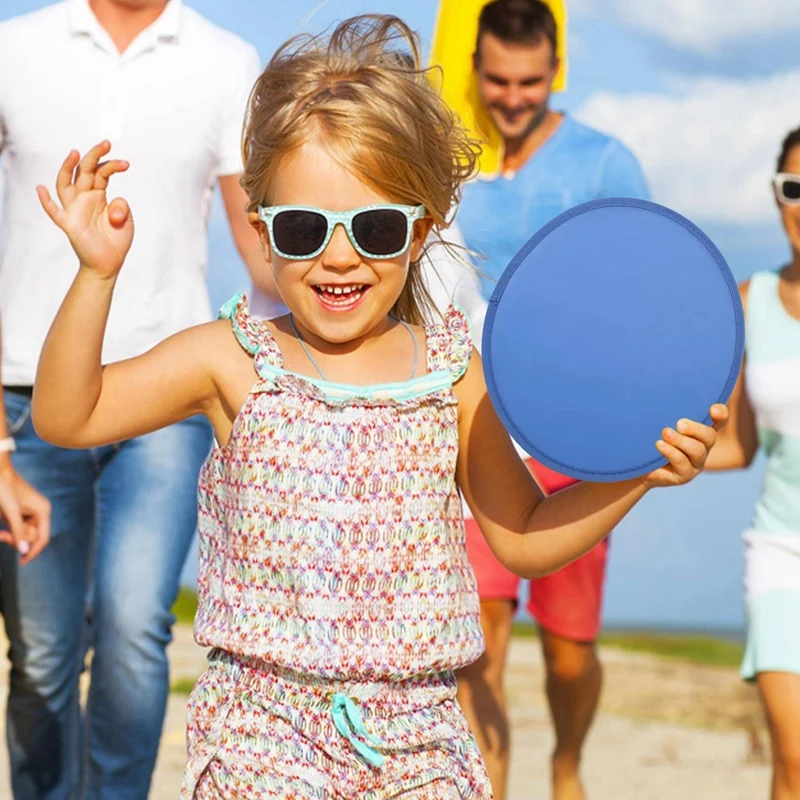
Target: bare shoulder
x=231 y=369
x=222 y=349
x=208 y=339
x=209 y=349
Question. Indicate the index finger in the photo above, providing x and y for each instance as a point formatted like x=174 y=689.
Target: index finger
x=703 y=433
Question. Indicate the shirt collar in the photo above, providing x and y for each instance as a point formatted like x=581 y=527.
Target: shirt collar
x=83 y=21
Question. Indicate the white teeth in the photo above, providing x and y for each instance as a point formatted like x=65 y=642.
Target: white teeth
x=341 y=289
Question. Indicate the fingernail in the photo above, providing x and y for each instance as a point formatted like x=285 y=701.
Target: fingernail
x=23 y=547
x=683 y=425
x=659 y=444
x=669 y=433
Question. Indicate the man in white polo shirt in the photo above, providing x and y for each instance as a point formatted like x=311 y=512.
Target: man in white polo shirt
x=169 y=90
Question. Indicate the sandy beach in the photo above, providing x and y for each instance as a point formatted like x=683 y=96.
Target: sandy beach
x=667 y=730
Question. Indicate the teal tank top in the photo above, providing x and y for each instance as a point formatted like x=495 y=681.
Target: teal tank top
x=772 y=382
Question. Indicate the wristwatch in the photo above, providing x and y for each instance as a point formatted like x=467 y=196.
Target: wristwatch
x=8 y=445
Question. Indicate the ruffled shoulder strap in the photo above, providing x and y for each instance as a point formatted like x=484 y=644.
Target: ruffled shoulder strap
x=450 y=343
x=252 y=333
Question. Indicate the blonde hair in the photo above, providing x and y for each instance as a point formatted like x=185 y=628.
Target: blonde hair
x=363 y=88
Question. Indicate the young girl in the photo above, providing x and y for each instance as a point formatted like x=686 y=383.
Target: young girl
x=334 y=586
x=765 y=412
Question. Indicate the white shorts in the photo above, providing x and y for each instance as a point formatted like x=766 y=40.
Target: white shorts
x=772 y=600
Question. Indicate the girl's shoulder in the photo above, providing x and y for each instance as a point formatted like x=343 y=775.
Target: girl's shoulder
x=254 y=334
x=450 y=342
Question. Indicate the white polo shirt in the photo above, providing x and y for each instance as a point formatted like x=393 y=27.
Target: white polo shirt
x=173 y=105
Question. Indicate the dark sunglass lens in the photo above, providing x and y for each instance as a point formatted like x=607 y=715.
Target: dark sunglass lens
x=381 y=232
x=791 y=189
x=299 y=233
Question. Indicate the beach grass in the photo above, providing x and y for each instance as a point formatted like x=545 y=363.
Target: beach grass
x=697 y=648
x=182 y=686
x=185 y=606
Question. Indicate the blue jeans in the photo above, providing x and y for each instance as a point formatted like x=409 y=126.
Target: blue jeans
x=123 y=518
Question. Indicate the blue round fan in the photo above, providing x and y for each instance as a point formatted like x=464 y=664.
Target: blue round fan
x=617 y=319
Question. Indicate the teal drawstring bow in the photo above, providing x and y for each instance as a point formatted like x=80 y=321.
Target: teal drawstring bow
x=348 y=721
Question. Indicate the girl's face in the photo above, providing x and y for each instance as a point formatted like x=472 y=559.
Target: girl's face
x=339 y=295
x=790 y=215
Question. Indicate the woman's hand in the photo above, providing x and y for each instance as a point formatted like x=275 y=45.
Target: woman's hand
x=100 y=232
x=24 y=515
x=686 y=449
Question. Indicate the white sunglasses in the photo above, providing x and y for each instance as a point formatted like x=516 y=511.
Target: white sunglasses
x=787 y=188
x=378 y=231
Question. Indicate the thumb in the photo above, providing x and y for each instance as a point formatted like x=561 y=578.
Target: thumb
x=719 y=415
x=119 y=212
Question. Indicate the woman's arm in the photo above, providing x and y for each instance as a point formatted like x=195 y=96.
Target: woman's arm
x=532 y=535
x=737 y=445
x=77 y=402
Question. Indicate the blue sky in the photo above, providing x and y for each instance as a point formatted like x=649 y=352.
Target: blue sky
x=703 y=93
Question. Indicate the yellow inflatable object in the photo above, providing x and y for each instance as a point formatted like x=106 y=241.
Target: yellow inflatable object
x=453 y=46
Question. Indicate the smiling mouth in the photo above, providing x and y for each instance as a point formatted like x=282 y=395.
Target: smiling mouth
x=513 y=116
x=341 y=297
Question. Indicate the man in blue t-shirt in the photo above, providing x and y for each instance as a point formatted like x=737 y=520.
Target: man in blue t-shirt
x=551 y=162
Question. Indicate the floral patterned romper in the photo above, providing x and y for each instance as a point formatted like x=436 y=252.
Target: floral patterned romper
x=335 y=590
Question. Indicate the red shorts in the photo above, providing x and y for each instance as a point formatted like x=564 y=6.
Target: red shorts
x=566 y=603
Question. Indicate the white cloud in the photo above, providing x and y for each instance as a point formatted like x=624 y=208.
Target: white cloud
x=701 y=25
x=709 y=149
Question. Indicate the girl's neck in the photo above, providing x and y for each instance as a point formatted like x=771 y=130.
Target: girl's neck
x=343 y=348
x=389 y=353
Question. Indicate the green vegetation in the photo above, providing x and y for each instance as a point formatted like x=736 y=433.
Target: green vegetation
x=182 y=686
x=697 y=648
x=185 y=606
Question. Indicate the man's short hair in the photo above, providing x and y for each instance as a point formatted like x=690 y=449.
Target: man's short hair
x=518 y=22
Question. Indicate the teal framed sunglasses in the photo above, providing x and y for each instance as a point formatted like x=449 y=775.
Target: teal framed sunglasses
x=379 y=231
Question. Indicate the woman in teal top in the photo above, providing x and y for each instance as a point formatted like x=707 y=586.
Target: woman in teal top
x=765 y=412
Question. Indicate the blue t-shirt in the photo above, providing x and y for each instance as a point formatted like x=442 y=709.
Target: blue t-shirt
x=576 y=164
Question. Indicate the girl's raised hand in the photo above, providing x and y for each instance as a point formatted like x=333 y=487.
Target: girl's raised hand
x=687 y=448
x=100 y=232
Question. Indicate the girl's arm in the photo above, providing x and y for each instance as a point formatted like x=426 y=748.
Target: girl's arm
x=532 y=535
x=77 y=402
x=737 y=445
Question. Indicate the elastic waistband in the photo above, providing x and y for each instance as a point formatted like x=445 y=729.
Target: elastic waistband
x=315 y=692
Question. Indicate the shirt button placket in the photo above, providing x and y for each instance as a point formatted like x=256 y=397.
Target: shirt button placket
x=112 y=117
